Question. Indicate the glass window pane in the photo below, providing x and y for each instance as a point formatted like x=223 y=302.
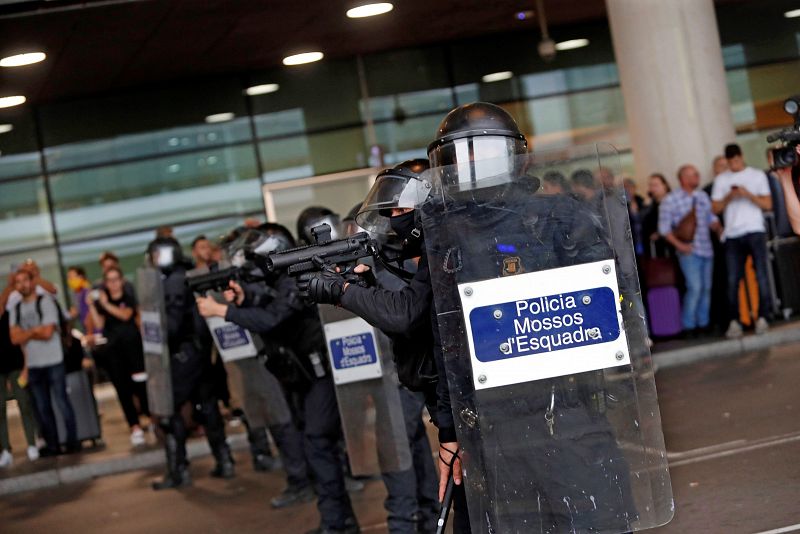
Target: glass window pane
x=286 y=200
x=19 y=154
x=156 y=143
x=167 y=190
x=130 y=248
x=24 y=217
x=309 y=155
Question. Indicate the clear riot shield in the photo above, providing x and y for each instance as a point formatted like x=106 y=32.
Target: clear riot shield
x=251 y=385
x=154 y=340
x=545 y=345
x=367 y=393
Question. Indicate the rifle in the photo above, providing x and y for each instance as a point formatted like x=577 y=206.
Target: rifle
x=325 y=251
x=220 y=280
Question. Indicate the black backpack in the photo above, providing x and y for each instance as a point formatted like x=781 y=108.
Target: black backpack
x=70 y=345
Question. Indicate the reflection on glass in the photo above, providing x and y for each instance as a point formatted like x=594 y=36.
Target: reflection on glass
x=308 y=155
x=130 y=248
x=24 y=217
x=105 y=200
x=140 y=145
x=285 y=201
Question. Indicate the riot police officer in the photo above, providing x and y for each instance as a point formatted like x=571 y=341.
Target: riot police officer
x=190 y=368
x=295 y=349
x=543 y=454
x=406 y=314
x=314 y=216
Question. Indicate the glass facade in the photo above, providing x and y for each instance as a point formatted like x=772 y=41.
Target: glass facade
x=81 y=177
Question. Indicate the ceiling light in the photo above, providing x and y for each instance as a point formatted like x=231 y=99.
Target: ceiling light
x=9 y=101
x=572 y=44
x=369 y=10
x=524 y=15
x=19 y=60
x=220 y=117
x=5 y=128
x=305 y=57
x=792 y=14
x=262 y=89
x=497 y=76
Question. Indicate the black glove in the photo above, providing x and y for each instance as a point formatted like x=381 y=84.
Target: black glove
x=325 y=287
x=365 y=279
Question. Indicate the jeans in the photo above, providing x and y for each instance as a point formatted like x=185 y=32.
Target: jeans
x=43 y=381
x=736 y=252
x=25 y=410
x=697 y=300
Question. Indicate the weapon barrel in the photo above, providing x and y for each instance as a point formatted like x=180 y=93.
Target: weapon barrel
x=212 y=280
x=287 y=258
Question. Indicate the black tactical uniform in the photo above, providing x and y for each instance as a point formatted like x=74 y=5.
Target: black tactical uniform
x=295 y=355
x=549 y=440
x=193 y=378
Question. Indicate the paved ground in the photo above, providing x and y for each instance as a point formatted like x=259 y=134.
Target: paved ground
x=731 y=428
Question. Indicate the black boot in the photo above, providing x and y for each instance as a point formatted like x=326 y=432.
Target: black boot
x=259 y=449
x=177 y=475
x=224 y=467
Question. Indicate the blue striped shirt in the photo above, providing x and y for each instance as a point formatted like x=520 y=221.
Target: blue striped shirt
x=676 y=206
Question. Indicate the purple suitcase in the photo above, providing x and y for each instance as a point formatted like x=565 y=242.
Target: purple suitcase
x=664 y=311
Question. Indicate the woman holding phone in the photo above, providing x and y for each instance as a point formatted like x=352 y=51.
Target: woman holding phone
x=114 y=311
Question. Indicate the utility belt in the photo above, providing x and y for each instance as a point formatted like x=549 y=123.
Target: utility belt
x=294 y=371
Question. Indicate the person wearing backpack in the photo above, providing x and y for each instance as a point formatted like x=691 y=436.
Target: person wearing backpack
x=34 y=327
x=11 y=364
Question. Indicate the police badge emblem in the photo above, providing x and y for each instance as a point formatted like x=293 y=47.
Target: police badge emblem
x=512 y=265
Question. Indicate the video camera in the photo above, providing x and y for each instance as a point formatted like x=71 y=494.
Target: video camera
x=786 y=155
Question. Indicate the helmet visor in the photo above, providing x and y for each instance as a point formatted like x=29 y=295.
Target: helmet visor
x=389 y=192
x=477 y=158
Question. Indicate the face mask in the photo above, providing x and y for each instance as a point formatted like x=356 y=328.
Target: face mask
x=75 y=284
x=403 y=224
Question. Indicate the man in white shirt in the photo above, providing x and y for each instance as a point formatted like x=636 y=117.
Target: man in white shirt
x=742 y=194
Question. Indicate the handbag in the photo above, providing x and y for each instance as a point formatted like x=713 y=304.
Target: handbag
x=687 y=226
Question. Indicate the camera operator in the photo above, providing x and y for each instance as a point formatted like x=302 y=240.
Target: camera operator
x=788 y=177
x=296 y=356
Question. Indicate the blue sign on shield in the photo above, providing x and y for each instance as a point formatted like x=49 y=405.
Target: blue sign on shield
x=353 y=351
x=544 y=324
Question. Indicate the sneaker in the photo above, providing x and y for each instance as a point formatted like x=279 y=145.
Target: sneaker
x=33 y=453
x=6 y=459
x=137 y=437
x=291 y=496
x=761 y=326
x=734 y=330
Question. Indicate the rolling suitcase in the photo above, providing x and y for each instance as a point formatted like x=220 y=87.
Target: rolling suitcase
x=81 y=396
x=664 y=311
x=663 y=299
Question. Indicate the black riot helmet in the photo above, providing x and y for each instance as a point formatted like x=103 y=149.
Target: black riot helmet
x=314 y=216
x=403 y=186
x=349 y=224
x=248 y=247
x=477 y=141
x=164 y=253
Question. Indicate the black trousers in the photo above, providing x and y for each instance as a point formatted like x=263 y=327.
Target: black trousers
x=122 y=358
x=317 y=409
x=412 y=495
